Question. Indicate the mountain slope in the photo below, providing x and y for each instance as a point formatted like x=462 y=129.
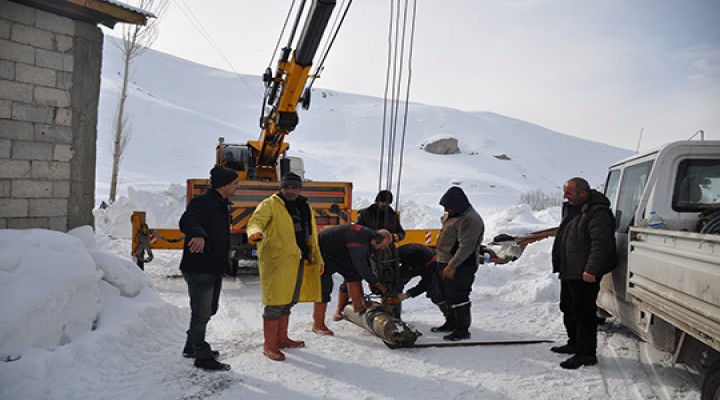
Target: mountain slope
x=179 y=109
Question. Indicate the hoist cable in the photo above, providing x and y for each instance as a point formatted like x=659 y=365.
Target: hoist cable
x=407 y=101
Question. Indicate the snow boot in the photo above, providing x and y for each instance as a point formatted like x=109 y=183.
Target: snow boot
x=319 y=326
x=211 y=364
x=342 y=302
x=357 y=296
x=462 y=325
x=188 y=351
x=283 y=340
x=270 y=348
x=578 y=361
x=450 y=322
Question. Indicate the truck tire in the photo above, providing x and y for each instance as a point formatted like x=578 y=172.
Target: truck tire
x=711 y=383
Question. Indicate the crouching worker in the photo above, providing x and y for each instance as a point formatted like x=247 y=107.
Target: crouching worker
x=289 y=261
x=457 y=254
x=346 y=250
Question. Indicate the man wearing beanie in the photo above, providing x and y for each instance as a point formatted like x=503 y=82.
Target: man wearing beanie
x=457 y=251
x=206 y=225
x=283 y=228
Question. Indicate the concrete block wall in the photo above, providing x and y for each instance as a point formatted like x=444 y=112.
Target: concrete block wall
x=49 y=89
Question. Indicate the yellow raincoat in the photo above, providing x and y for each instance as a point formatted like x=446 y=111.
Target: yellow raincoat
x=279 y=255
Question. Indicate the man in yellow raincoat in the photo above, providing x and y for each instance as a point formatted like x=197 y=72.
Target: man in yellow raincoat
x=283 y=228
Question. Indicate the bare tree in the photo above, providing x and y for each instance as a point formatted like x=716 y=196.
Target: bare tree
x=136 y=40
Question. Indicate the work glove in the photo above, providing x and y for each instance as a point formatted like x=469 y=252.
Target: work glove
x=379 y=288
x=256 y=237
x=396 y=237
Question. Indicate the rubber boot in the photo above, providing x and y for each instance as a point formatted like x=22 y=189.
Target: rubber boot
x=319 y=326
x=342 y=302
x=270 y=348
x=462 y=325
x=450 y=322
x=283 y=341
x=357 y=296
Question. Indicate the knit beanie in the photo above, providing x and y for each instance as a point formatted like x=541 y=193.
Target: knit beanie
x=384 y=195
x=291 y=179
x=221 y=176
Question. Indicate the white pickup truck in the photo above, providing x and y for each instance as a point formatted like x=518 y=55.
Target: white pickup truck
x=666 y=287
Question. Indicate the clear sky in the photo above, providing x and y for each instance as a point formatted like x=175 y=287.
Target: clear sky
x=601 y=70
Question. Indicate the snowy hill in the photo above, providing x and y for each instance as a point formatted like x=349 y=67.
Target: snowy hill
x=178 y=109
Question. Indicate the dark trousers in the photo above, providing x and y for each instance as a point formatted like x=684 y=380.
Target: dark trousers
x=577 y=303
x=204 y=292
x=453 y=291
x=344 y=267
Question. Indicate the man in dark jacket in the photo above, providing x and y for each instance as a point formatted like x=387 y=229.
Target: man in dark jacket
x=206 y=225
x=416 y=260
x=584 y=251
x=346 y=249
x=457 y=261
x=378 y=216
x=381 y=215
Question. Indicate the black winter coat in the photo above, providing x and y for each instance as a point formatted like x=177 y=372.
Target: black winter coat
x=349 y=244
x=207 y=215
x=375 y=218
x=417 y=260
x=585 y=240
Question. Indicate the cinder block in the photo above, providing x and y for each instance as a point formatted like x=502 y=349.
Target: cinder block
x=3 y=223
x=22 y=188
x=68 y=61
x=52 y=97
x=22 y=150
x=5 y=109
x=28 y=223
x=32 y=113
x=15 y=169
x=17 y=12
x=34 y=37
x=54 y=23
x=53 y=134
x=16 y=91
x=61 y=189
x=19 y=52
x=63 y=116
x=5 y=148
x=52 y=170
x=48 y=59
x=62 y=152
x=48 y=207
x=5 y=185
x=20 y=130
x=7 y=70
x=63 y=43
x=58 y=223
x=64 y=80
x=14 y=208
x=35 y=75
x=4 y=29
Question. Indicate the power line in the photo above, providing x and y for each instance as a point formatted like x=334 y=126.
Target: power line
x=195 y=21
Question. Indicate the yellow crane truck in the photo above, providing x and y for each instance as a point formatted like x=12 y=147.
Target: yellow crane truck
x=260 y=163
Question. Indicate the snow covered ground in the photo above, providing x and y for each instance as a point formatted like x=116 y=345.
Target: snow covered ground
x=103 y=329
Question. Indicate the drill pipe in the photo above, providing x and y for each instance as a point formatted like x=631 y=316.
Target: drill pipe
x=381 y=323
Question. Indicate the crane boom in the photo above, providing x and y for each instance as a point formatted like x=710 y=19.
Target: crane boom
x=286 y=91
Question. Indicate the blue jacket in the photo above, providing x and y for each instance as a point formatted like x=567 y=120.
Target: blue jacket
x=207 y=215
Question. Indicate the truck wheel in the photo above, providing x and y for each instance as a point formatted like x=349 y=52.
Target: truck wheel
x=711 y=383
